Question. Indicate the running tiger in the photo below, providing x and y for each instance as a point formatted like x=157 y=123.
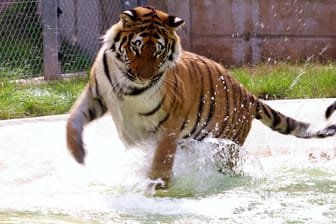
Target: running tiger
x=157 y=92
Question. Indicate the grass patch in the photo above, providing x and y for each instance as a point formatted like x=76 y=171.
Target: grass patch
x=286 y=81
x=31 y=100
x=282 y=81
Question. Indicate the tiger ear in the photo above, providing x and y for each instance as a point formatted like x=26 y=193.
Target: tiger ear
x=174 y=22
x=128 y=18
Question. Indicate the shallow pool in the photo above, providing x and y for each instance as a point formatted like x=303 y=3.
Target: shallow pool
x=42 y=184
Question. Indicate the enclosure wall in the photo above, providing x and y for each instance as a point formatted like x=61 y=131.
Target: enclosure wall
x=250 y=31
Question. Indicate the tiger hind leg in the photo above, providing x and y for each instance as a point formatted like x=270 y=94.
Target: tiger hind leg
x=86 y=109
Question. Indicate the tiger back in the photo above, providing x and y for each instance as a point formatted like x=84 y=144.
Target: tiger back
x=157 y=92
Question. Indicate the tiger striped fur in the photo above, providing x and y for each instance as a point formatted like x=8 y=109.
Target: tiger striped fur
x=330 y=110
x=158 y=92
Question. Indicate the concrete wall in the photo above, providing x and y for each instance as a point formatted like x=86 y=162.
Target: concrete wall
x=236 y=32
x=79 y=24
x=83 y=22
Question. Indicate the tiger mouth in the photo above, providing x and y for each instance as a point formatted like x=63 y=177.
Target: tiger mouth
x=131 y=77
x=142 y=86
x=138 y=79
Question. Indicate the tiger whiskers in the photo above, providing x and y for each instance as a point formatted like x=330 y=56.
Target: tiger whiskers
x=119 y=83
x=175 y=87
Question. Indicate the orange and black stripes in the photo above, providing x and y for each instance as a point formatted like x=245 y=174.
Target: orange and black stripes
x=209 y=109
x=200 y=102
x=210 y=97
x=223 y=82
x=155 y=89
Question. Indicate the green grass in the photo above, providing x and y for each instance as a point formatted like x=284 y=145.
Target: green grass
x=286 y=81
x=21 y=57
x=31 y=100
x=282 y=81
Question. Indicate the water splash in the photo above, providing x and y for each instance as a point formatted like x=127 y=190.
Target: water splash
x=45 y=185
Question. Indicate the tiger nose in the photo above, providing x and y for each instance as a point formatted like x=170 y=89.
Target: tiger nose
x=145 y=69
x=150 y=46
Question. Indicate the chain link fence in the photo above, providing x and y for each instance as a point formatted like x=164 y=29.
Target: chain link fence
x=21 y=47
x=80 y=25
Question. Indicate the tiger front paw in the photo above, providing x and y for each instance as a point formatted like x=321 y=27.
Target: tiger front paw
x=78 y=155
x=75 y=144
x=158 y=184
x=159 y=180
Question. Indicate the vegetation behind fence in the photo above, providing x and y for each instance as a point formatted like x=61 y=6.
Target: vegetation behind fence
x=20 y=39
x=53 y=36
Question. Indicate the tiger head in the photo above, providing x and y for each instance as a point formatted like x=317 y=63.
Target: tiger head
x=145 y=43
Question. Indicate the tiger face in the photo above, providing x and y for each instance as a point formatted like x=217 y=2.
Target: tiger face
x=147 y=43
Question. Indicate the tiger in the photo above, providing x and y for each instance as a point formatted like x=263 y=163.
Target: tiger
x=330 y=110
x=157 y=92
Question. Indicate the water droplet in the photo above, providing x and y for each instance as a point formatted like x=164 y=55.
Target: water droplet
x=216 y=126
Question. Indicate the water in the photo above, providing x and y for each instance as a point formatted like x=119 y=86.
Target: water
x=40 y=183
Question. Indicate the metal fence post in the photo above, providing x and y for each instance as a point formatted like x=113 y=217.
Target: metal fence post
x=51 y=41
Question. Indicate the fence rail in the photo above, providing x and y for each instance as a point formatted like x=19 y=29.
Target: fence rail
x=53 y=37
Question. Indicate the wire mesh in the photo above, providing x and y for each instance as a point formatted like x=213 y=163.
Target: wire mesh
x=20 y=39
x=81 y=23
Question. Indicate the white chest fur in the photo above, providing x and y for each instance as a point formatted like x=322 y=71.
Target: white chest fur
x=128 y=110
x=128 y=114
